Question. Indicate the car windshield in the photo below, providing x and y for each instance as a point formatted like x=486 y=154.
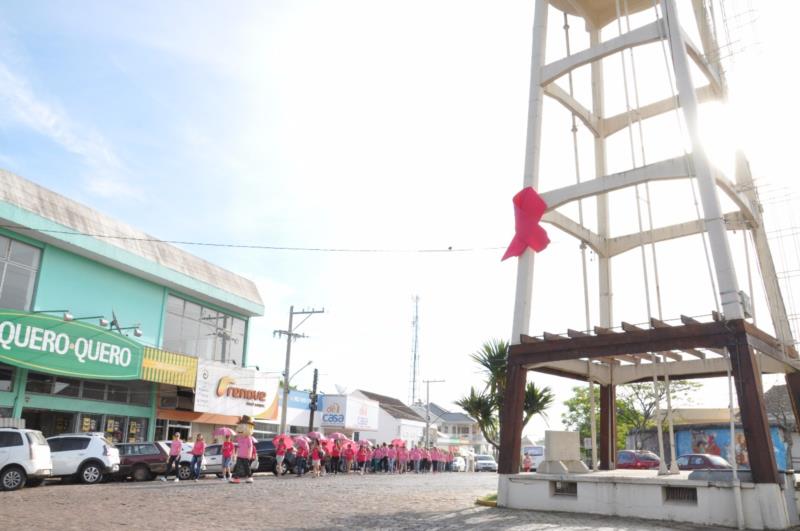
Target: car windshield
x=537 y=450
x=648 y=457
x=484 y=458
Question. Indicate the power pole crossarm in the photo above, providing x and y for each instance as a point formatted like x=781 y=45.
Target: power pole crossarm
x=290 y=335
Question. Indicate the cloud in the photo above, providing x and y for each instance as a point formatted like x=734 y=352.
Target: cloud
x=19 y=103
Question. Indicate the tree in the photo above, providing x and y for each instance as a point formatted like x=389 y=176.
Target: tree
x=641 y=398
x=484 y=406
x=635 y=406
x=578 y=415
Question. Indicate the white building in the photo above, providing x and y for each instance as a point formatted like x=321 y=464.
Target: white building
x=454 y=429
x=395 y=421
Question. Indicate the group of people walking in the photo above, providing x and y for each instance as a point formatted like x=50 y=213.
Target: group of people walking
x=350 y=457
x=236 y=458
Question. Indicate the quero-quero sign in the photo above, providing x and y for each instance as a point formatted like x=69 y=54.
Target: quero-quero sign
x=48 y=344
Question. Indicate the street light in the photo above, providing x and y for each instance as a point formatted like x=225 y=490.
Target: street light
x=297 y=371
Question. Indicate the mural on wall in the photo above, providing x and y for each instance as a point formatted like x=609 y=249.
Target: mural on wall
x=716 y=441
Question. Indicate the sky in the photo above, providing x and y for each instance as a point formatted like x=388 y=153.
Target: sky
x=396 y=128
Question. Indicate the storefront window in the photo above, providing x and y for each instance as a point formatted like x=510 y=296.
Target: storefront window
x=67 y=386
x=5 y=412
x=208 y=334
x=117 y=393
x=19 y=263
x=39 y=383
x=137 y=429
x=133 y=392
x=115 y=428
x=89 y=422
x=94 y=390
x=6 y=377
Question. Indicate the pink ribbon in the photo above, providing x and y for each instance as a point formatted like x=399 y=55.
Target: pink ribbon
x=529 y=208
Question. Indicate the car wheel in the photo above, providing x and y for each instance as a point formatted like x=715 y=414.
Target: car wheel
x=91 y=473
x=141 y=473
x=12 y=478
x=184 y=472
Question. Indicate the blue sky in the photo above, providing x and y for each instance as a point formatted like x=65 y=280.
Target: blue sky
x=357 y=124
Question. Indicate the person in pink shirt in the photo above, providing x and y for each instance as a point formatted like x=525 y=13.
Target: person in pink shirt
x=402 y=459
x=349 y=455
x=415 y=456
x=361 y=458
x=198 y=450
x=391 y=454
x=434 y=459
x=175 y=448
x=316 y=458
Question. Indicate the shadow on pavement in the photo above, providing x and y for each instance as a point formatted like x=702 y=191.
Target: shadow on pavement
x=498 y=519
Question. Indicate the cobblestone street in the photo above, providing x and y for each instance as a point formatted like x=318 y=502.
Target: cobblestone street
x=440 y=502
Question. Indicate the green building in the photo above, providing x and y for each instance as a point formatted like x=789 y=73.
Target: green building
x=164 y=311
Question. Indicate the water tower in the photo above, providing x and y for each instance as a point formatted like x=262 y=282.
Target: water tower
x=602 y=352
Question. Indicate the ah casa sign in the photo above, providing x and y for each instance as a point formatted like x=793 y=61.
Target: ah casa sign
x=48 y=344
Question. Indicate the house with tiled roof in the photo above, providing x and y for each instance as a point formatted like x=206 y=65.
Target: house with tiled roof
x=453 y=428
x=395 y=421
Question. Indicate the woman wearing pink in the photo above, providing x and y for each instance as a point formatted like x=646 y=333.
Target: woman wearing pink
x=402 y=459
x=415 y=456
x=175 y=448
x=391 y=454
x=361 y=458
x=198 y=450
x=434 y=459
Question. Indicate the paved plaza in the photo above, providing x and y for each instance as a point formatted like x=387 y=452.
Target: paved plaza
x=440 y=502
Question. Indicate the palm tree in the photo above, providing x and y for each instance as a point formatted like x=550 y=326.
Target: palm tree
x=485 y=406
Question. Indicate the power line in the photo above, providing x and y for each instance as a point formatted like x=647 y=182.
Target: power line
x=449 y=249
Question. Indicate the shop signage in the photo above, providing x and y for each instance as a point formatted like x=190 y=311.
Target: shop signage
x=48 y=344
x=226 y=390
x=169 y=368
x=349 y=412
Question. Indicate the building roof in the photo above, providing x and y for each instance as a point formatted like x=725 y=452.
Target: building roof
x=25 y=207
x=439 y=415
x=393 y=406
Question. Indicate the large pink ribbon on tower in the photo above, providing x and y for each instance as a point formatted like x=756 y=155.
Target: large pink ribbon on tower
x=529 y=208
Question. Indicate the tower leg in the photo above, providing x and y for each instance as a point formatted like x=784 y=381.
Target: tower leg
x=608 y=427
x=522 y=303
x=750 y=394
x=715 y=226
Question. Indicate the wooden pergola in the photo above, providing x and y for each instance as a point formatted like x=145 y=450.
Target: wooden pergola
x=688 y=350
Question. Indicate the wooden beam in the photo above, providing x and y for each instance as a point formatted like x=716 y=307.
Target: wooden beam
x=701 y=335
x=753 y=413
x=656 y=323
x=511 y=420
x=553 y=337
x=667 y=354
x=608 y=427
x=529 y=339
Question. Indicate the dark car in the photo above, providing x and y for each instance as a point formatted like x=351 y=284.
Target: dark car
x=638 y=459
x=266 y=458
x=702 y=461
x=141 y=461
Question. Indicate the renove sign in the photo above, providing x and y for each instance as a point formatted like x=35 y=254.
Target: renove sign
x=48 y=344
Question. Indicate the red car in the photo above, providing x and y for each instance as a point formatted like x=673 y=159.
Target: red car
x=637 y=459
x=702 y=461
x=141 y=461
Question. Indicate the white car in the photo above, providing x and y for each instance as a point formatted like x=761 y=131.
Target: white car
x=485 y=462
x=87 y=456
x=459 y=465
x=24 y=458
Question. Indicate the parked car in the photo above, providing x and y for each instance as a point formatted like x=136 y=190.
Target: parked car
x=141 y=461
x=185 y=463
x=637 y=459
x=266 y=459
x=24 y=458
x=458 y=465
x=702 y=461
x=213 y=460
x=485 y=462
x=86 y=456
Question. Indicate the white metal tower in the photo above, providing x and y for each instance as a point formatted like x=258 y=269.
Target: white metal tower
x=610 y=34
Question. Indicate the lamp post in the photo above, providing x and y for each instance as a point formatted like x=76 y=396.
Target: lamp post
x=428 y=410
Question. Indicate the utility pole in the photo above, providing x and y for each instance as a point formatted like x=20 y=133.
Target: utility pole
x=290 y=336
x=412 y=399
x=428 y=410
x=312 y=406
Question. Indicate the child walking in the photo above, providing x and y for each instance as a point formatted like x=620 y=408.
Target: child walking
x=227 y=458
